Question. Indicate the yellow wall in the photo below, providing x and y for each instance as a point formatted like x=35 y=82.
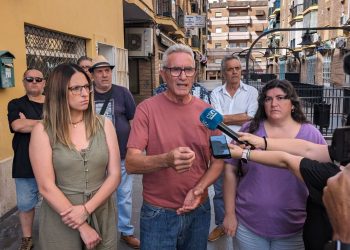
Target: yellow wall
x=97 y=21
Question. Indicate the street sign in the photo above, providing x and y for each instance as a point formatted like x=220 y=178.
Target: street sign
x=197 y=21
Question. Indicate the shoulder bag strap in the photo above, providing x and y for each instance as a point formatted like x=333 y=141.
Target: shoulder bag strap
x=103 y=110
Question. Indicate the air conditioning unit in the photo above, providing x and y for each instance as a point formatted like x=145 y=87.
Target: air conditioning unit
x=139 y=41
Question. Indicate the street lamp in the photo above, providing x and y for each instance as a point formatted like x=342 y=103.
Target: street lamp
x=347 y=28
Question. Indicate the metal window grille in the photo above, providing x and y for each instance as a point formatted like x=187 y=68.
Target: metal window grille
x=310 y=68
x=45 y=49
x=326 y=70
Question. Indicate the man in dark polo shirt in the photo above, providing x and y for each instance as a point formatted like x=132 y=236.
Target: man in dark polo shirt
x=23 y=114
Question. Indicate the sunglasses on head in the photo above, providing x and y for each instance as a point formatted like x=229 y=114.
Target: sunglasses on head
x=31 y=79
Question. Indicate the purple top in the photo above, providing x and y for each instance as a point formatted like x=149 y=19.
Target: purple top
x=271 y=202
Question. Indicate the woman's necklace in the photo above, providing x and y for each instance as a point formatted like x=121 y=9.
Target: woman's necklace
x=76 y=123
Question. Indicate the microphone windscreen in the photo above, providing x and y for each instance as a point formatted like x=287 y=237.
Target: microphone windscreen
x=346 y=64
x=211 y=118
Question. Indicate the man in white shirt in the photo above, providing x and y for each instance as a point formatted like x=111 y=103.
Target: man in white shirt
x=237 y=102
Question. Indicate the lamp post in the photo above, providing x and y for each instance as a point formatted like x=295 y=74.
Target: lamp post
x=347 y=28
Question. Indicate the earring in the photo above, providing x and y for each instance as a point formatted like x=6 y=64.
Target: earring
x=293 y=109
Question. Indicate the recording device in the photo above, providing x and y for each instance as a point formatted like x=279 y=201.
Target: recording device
x=340 y=147
x=219 y=147
x=213 y=120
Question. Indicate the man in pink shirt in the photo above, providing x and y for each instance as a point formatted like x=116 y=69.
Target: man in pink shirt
x=176 y=211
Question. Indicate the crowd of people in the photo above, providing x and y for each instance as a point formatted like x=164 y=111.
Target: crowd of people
x=80 y=143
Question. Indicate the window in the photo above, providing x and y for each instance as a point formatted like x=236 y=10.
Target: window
x=238 y=44
x=310 y=69
x=217 y=45
x=239 y=13
x=326 y=70
x=45 y=49
x=238 y=29
x=218 y=30
x=218 y=14
x=282 y=65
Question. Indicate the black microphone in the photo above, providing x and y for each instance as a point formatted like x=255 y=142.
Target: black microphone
x=213 y=120
x=346 y=63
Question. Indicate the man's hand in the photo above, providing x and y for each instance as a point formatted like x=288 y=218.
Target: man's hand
x=336 y=198
x=230 y=224
x=22 y=116
x=181 y=159
x=192 y=201
x=74 y=216
x=89 y=236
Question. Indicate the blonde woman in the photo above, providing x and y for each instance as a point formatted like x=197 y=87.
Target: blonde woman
x=75 y=158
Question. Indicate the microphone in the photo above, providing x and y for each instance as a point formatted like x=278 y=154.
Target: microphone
x=213 y=120
x=346 y=63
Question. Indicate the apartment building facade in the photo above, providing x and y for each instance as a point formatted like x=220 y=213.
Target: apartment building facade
x=42 y=35
x=151 y=26
x=232 y=28
x=312 y=56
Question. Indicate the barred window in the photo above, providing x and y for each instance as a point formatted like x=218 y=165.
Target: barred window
x=45 y=49
x=310 y=69
x=326 y=70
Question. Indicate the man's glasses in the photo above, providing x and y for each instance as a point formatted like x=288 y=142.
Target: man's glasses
x=176 y=71
x=77 y=90
x=32 y=79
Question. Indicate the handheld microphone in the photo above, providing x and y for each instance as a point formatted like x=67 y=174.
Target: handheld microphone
x=213 y=120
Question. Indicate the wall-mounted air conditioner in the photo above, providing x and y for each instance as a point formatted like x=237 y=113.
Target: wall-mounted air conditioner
x=139 y=41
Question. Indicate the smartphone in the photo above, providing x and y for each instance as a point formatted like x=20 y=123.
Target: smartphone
x=219 y=147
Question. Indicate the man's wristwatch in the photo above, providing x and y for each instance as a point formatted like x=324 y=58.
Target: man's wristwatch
x=245 y=155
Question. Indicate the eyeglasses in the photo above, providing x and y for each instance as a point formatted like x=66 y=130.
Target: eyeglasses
x=176 y=71
x=31 y=79
x=278 y=98
x=77 y=90
x=85 y=67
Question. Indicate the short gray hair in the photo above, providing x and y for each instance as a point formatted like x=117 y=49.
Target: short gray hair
x=175 y=49
x=228 y=58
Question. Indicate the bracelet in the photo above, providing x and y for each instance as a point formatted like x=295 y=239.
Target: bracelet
x=265 y=141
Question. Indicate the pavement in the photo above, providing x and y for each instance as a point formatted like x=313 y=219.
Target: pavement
x=10 y=230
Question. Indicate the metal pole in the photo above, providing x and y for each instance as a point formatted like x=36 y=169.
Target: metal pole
x=347 y=28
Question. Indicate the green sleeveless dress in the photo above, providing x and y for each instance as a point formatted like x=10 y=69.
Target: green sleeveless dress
x=79 y=175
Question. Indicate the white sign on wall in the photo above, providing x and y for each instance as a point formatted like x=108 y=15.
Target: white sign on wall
x=195 y=21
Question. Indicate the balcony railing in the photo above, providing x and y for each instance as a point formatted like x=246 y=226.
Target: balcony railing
x=239 y=20
x=239 y=36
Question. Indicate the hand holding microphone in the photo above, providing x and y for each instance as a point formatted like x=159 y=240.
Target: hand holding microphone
x=213 y=120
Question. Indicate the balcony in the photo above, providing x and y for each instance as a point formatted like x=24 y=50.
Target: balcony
x=218 y=36
x=297 y=10
x=218 y=21
x=239 y=36
x=309 y=3
x=238 y=20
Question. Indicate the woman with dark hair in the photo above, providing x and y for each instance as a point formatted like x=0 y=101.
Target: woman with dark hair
x=76 y=163
x=265 y=208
